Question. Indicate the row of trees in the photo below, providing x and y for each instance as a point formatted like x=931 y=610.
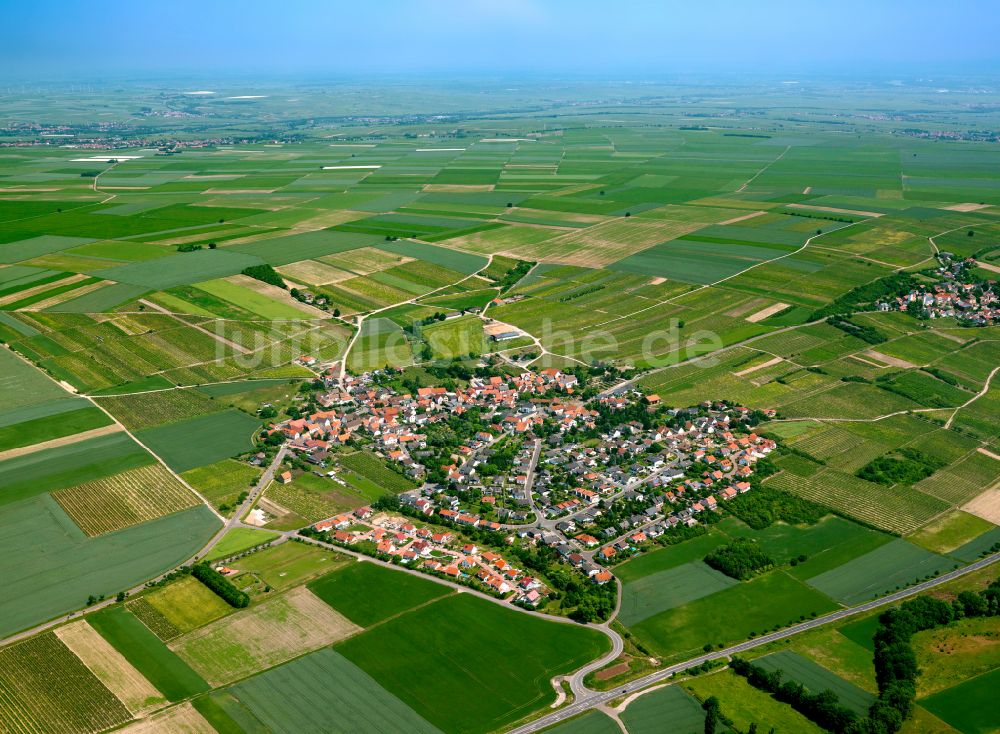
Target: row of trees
x=896 y=667
x=220 y=585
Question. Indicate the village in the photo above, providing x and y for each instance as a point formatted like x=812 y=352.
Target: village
x=957 y=295
x=513 y=464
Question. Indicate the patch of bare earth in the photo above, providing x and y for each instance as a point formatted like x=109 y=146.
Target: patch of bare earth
x=986 y=505
x=764 y=313
x=891 y=361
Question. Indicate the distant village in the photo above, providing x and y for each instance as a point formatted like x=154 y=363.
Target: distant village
x=956 y=295
x=523 y=462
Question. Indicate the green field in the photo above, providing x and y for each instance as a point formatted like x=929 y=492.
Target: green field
x=325 y=691
x=884 y=569
x=744 y=704
x=367 y=594
x=238 y=540
x=457 y=638
x=50 y=567
x=144 y=650
x=66 y=466
x=286 y=565
x=816 y=679
x=45 y=429
x=662 y=559
x=647 y=714
x=187 y=604
x=970 y=706
x=222 y=482
x=376 y=470
x=193 y=443
x=767 y=601
x=664 y=590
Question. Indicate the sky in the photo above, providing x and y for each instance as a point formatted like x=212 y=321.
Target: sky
x=590 y=38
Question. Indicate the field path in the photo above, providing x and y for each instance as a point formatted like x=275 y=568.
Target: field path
x=218 y=337
x=974 y=398
x=361 y=317
x=64 y=441
x=754 y=177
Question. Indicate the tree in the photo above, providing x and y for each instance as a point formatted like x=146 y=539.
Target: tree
x=712 y=716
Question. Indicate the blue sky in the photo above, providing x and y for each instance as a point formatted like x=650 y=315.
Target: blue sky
x=458 y=37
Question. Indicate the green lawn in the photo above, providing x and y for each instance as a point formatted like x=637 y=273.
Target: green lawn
x=367 y=594
x=500 y=660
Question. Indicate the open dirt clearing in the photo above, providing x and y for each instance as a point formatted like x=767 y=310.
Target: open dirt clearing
x=742 y=218
x=891 y=361
x=126 y=683
x=835 y=210
x=764 y=313
x=986 y=505
x=967 y=206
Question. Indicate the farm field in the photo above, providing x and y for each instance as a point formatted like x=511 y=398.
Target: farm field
x=779 y=243
x=126 y=499
x=193 y=443
x=773 y=599
x=262 y=636
x=458 y=640
x=50 y=566
x=147 y=653
x=46 y=688
x=387 y=593
x=817 y=679
x=646 y=714
x=301 y=694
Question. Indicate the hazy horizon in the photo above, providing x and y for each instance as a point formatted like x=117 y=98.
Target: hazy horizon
x=519 y=38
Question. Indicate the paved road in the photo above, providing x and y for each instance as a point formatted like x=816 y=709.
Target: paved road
x=592 y=699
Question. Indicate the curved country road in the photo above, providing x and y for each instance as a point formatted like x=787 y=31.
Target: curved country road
x=592 y=699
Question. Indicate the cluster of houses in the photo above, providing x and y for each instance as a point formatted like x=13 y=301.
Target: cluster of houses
x=974 y=303
x=392 y=421
x=435 y=551
x=593 y=501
